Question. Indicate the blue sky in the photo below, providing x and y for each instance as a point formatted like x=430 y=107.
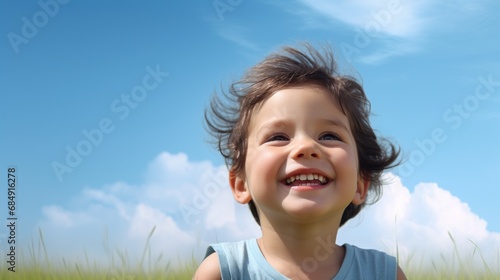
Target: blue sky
x=138 y=75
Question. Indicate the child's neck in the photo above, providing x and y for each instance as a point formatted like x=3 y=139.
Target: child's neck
x=302 y=252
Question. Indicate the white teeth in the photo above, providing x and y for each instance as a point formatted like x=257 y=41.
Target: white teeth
x=321 y=179
x=304 y=177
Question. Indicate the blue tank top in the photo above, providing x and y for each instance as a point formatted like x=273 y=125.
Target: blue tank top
x=243 y=260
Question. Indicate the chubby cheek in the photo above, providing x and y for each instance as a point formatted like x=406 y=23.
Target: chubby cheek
x=346 y=163
x=262 y=168
x=262 y=161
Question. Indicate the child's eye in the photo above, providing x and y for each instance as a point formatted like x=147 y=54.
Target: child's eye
x=330 y=136
x=277 y=137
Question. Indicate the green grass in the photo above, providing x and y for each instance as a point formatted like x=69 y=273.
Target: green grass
x=36 y=264
x=463 y=264
x=78 y=272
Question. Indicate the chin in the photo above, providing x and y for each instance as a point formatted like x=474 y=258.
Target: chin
x=309 y=210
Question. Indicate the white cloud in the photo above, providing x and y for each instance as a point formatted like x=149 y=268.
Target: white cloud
x=380 y=29
x=189 y=204
x=108 y=199
x=429 y=223
x=399 y=18
x=389 y=28
x=62 y=218
x=395 y=18
x=165 y=236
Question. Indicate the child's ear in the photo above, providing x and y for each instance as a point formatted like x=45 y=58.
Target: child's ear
x=361 y=191
x=239 y=188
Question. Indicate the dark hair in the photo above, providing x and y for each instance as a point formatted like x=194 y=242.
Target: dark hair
x=227 y=121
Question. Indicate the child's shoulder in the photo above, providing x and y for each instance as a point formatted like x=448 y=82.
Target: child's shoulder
x=232 y=249
x=359 y=262
x=241 y=260
x=209 y=268
x=237 y=257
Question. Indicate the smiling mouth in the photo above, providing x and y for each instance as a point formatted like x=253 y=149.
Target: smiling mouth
x=306 y=180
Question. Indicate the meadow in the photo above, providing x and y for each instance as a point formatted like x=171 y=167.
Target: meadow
x=82 y=271
x=36 y=264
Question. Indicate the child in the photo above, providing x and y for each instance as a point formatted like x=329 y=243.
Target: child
x=302 y=154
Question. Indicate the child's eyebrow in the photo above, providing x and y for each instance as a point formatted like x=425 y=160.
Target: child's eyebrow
x=283 y=123
x=273 y=125
x=336 y=122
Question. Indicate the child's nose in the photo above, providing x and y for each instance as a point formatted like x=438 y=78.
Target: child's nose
x=306 y=148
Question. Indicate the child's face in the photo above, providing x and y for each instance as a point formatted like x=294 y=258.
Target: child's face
x=301 y=161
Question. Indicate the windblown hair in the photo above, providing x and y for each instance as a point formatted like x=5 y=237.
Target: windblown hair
x=228 y=120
